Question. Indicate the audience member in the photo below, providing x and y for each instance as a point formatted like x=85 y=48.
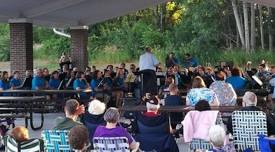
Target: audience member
x=79 y=138
x=173 y=99
x=111 y=129
x=250 y=104
x=217 y=138
x=72 y=111
x=272 y=84
x=225 y=92
x=200 y=92
x=20 y=133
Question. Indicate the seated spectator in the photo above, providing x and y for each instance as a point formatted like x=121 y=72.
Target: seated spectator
x=250 y=104
x=15 y=81
x=111 y=129
x=173 y=99
x=94 y=116
x=225 y=92
x=196 y=123
x=54 y=81
x=200 y=92
x=152 y=106
x=4 y=82
x=79 y=138
x=236 y=80
x=217 y=138
x=38 y=82
x=20 y=134
x=72 y=111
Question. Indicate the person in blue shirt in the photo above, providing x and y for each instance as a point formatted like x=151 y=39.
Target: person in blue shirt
x=190 y=61
x=15 y=82
x=97 y=84
x=81 y=83
x=38 y=82
x=4 y=82
x=54 y=80
x=236 y=80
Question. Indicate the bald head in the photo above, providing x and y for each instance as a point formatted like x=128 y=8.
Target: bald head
x=249 y=99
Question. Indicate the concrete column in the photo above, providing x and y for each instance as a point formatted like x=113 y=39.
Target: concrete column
x=79 y=41
x=21 y=46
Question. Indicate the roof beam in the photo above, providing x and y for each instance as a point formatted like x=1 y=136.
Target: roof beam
x=52 y=6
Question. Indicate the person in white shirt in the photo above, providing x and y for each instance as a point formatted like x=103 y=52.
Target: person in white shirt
x=147 y=65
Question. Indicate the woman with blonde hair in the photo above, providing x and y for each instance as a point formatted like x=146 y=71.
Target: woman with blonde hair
x=200 y=92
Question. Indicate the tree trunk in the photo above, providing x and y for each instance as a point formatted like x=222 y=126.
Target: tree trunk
x=253 y=40
x=270 y=33
x=246 y=27
x=261 y=26
x=238 y=22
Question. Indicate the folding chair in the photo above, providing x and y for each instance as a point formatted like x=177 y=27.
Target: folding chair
x=247 y=125
x=32 y=145
x=111 y=144
x=56 y=140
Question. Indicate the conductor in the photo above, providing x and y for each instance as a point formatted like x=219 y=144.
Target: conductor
x=147 y=65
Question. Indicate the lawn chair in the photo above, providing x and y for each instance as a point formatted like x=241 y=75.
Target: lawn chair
x=56 y=140
x=111 y=144
x=247 y=125
x=32 y=145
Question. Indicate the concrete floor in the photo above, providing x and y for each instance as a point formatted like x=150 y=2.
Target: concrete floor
x=49 y=123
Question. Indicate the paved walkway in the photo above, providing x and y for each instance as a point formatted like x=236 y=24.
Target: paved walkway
x=49 y=123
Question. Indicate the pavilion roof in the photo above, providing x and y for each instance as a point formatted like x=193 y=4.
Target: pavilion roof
x=67 y=13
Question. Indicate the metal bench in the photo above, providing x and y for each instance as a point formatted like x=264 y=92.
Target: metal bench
x=23 y=107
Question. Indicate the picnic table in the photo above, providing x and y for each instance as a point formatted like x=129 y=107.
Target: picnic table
x=23 y=107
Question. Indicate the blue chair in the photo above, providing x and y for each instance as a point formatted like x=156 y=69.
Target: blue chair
x=157 y=142
x=266 y=144
x=56 y=140
x=144 y=129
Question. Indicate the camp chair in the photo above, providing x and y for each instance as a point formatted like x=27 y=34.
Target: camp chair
x=247 y=125
x=56 y=140
x=32 y=145
x=111 y=144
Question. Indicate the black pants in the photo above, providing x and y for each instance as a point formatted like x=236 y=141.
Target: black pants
x=149 y=82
